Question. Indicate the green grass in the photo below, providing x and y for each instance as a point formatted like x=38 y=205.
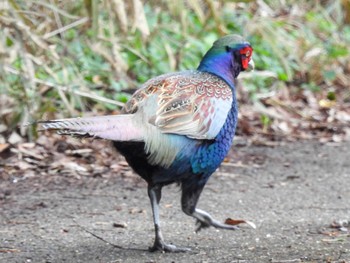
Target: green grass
x=59 y=58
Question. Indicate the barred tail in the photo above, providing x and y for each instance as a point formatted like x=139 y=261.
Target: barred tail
x=112 y=127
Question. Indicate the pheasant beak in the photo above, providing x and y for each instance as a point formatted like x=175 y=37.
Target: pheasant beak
x=251 y=65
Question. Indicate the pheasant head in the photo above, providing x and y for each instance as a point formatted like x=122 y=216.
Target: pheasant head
x=227 y=57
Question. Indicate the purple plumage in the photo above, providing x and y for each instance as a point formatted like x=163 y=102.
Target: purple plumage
x=177 y=128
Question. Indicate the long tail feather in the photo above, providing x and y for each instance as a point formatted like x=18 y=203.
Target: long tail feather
x=111 y=127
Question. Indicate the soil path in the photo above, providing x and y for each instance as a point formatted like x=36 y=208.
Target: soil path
x=298 y=195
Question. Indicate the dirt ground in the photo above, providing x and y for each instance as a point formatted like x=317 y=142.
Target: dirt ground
x=297 y=194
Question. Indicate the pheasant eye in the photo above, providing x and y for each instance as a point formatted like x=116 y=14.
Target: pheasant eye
x=247 y=54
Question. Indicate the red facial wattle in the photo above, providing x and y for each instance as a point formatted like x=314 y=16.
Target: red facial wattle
x=246 y=54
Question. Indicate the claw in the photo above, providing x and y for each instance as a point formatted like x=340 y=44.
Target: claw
x=201 y=225
x=162 y=247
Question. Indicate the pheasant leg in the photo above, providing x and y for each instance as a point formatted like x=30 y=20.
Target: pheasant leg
x=155 y=194
x=189 y=202
x=204 y=220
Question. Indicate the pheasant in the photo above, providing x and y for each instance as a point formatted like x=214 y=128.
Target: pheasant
x=177 y=128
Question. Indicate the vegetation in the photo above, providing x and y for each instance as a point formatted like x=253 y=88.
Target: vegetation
x=59 y=58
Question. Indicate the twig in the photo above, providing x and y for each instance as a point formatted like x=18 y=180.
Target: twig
x=54 y=8
x=98 y=237
x=65 y=28
x=58 y=19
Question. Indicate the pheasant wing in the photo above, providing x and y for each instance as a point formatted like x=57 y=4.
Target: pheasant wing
x=191 y=103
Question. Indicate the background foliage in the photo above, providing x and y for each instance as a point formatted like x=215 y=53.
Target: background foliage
x=59 y=58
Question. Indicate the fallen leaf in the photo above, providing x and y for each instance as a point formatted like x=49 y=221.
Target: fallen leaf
x=325 y=103
x=120 y=225
x=340 y=223
x=9 y=250
x=79 y=152
x=234 y=222
x=330 y=233
x=3 y=146
x=24 y=165
x=326 y=240
x=28 y=145
x=14 y=138
x=135 y=210
x=22 y=149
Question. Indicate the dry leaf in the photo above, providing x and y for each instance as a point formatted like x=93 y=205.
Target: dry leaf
x=9 y=250
x=327 y=103
x=326 y=240
x=3 y=146
x=15 y=138
x=234 y=222
x=120 y=225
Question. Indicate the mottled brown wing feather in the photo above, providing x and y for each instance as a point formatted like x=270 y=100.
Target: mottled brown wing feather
x=189 y=103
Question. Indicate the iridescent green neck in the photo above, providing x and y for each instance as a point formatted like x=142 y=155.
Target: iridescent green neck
x=219 y=62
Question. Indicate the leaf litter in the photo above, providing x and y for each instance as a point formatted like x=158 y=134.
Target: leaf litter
x=55 y=161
